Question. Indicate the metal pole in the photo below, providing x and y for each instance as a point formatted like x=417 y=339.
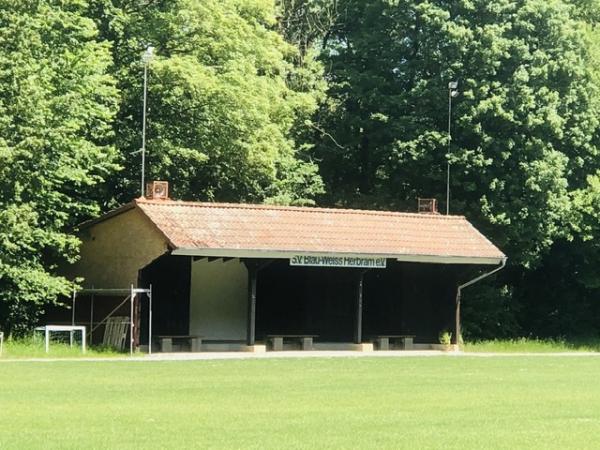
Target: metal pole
x=91 y=318
x=144 y=128
x=150 y=321
x=457 y=319
x=73 y=308
x=459 y=295
x=131 y=324
x=448 y=156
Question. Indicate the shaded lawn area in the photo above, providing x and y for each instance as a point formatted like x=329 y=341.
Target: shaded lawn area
x=430 y=402
x=532 y=345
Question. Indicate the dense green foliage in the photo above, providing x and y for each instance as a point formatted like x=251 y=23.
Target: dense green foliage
x=524 y=133
x=427 y=403
x=256 y=100
x=57 y=103
x=228 y=98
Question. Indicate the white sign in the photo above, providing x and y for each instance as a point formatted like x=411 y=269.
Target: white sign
x=338 y=261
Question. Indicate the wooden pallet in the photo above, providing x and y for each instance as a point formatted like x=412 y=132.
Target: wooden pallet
x=115 y=332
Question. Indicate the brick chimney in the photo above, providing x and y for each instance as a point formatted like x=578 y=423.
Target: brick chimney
x=427 y=206
x=157 y=190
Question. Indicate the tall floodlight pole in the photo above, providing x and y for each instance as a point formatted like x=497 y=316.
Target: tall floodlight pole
x=146 y=58
x=452 y=93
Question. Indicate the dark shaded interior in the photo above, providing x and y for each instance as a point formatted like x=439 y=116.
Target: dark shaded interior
x=404 y=298
x=170 y=279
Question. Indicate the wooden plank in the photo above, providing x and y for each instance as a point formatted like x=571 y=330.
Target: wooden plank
x=293 y=335
x=191 y=336
x=395 y=336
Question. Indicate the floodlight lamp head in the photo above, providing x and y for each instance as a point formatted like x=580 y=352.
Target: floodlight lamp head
x=454 y=94
x=148 y=55
x=452 y=85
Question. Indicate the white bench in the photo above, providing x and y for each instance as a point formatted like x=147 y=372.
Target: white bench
x=383 y=342
x=166 y=342
x=276 y=340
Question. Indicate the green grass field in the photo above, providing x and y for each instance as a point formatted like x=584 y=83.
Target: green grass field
x=33 y=347
x=417 y=402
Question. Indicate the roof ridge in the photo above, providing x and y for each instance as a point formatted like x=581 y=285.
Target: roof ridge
x=307 y=209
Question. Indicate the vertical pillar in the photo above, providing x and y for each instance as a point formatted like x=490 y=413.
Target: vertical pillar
x=456 y=338
x=150 y=320
x=73 y=306
x=137 y=316
x=359 y=309
x=91 y=318
x=251 y=329
x=132 y=297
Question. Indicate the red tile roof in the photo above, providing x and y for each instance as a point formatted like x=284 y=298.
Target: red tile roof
x=221 y=229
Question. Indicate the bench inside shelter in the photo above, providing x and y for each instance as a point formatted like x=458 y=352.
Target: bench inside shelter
x=166 y=342
x=383 y=342
x=276 y=340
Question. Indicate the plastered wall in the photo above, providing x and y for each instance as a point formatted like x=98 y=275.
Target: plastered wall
x=218 y=299
x=114 y=250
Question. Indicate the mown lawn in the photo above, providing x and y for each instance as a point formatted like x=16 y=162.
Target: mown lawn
x=430 y=402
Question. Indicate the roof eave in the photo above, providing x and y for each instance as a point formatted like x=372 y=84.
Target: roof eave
x=285 y=254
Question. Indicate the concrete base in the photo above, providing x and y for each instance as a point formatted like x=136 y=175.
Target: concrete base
x=166 y=345
x=223 y=346
x=364 y=347
x=383 y=343
x=196 y=344
x=444 y=348
x=342 y=346
x=277 y=344
x=257 y=348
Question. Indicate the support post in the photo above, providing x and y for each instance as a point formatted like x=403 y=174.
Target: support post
x=359 y=308
x=73 y=308
x=254 y=266
x=251 y=329
x=47 y=338
x=457 y=331
x=150 y=321
x=456 y=338
x=131 y=322
x=91 y=318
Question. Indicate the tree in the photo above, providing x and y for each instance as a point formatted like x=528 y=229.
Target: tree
x=56 y=105
x=228 y=98
x=525 y=126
